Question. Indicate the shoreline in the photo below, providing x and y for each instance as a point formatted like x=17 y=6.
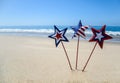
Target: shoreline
x=46 y=36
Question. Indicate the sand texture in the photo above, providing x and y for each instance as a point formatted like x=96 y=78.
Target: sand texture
x=37 y=60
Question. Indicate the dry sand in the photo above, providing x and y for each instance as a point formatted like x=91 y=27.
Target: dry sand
x=37 y=60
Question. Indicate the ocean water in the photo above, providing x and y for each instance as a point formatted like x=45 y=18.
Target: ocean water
x=44 y=31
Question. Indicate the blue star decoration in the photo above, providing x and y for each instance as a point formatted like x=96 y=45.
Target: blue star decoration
x=79 y=30
x=59 y=35
x=76 y=28
x=99 y=36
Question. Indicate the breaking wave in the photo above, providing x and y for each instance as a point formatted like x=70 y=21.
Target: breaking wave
x=113 y=33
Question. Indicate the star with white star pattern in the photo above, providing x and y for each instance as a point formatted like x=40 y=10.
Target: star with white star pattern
x=59 y=35
x=99 y=36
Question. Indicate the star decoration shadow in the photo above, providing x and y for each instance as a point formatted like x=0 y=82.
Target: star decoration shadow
x=99 y=36
x=59 y=35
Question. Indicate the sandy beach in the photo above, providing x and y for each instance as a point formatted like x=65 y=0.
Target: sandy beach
x=37 y=60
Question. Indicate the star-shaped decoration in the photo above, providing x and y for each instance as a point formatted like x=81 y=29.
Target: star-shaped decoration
x=79 y=30
x=99 y=36
x=59 y=35
x=76 y=28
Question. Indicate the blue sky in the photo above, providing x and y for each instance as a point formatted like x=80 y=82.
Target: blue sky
x=59 y=12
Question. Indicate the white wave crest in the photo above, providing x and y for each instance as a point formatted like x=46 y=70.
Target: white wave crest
x=114 y=33
x=28 y=30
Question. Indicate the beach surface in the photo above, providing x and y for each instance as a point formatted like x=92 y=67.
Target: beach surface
x=37 y=60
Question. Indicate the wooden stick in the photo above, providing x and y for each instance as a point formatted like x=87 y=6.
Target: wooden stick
x=77 y=52
x=89 y=57
x=66 y=55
